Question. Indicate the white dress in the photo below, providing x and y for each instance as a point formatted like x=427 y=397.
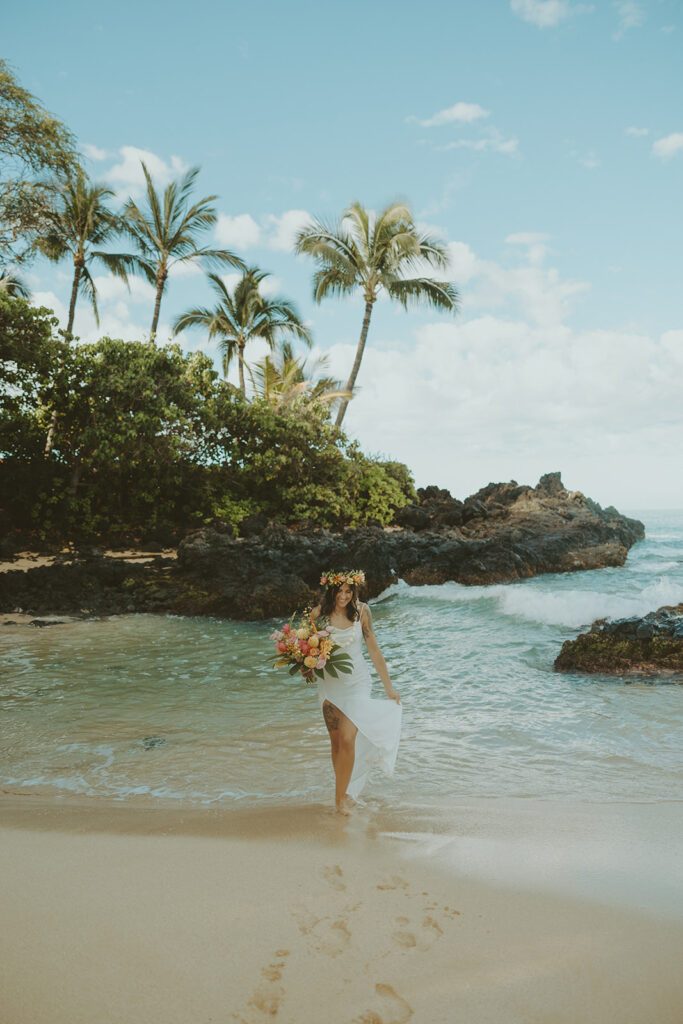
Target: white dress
x=378 y=721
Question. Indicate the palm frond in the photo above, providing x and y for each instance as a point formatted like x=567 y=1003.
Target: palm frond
x=13 y=285
x=200 y=316
x=86 y=287
x=123 y=263
x=440 y=295
x=332 y=281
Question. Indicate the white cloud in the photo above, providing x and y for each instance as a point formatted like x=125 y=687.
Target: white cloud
x=547 y=13
x=113 y=289
x=637 y=131
x=466 y=112
x=51 y=301
x=630 y=16
x=494 y=141
x=282 y=230
x=115 y=319
x=94 y=152
x=273 y=232
x=532 y=289
x=240 y=232
x=668 y=28
x=128 y=177
x=188 y=268
x=495 y=399
x=535 y=243
x=668 y=146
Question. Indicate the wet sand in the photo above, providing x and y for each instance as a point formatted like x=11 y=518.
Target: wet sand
x=118 y=914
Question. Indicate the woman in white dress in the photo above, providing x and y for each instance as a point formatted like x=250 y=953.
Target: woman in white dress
x=363 y=732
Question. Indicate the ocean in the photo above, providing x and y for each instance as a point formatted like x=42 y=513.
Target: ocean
x=190 y=710
x=185 y=712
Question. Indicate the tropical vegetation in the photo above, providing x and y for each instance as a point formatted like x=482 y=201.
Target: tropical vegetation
x=36 y=151
x=166 y=231
x=79 y=220
x=153 y=442
x=243 y=316
x=373 y=254
x=283 y=379
x=121 y=440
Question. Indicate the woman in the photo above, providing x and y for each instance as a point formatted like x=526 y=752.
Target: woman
x=363 y=732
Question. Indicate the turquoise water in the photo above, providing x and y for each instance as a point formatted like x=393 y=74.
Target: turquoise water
x=188 y=710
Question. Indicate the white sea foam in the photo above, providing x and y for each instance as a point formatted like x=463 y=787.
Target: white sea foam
x=580 y=607
x=557 y=608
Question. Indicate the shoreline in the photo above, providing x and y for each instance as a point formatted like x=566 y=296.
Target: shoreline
x=115 y=914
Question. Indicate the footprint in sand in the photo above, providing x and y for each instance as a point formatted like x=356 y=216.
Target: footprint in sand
x=331 y=936
x=266 y=999
x=395 y=882
x=451 y=912
x=422 y=938
x=388 y=1008
x=334 y=876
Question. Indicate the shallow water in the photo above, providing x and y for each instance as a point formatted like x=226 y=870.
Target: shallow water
x=189 y=710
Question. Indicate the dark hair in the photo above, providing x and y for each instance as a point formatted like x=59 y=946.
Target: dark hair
x=330 y=596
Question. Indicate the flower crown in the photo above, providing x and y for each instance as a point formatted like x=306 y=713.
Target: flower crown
x=335 y=579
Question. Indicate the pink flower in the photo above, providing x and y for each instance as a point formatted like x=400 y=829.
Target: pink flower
x=320 y=663
x=286 y=628
x=281 y=647
x=276 y=635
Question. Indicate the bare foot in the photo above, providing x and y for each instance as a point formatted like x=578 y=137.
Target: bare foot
x=343 y=809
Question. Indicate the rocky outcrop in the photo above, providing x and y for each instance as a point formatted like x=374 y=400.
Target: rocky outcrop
x=503 y=532
x=651 y=645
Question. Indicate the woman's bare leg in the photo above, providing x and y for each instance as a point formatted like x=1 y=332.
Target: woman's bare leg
x=332 y=716
x=343 y=739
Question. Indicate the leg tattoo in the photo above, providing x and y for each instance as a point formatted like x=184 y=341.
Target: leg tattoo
x=331 y=716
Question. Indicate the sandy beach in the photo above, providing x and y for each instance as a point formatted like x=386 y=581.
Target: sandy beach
x=114 y=914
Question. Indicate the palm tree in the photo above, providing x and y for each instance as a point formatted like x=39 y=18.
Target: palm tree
x=374 y=253
x=166 y=233
x=242 y=316
x=79 y=221
x=12 y=285
x=286 y=380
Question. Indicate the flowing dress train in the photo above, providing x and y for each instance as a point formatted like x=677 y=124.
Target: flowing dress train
x=378 y=721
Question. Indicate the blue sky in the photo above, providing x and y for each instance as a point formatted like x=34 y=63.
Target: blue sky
x=542 y=139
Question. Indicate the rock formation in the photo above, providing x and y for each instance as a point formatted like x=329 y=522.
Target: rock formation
x=651 y=645
x=503 y=532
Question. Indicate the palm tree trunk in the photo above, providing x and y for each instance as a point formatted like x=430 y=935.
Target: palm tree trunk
x=161 y=281
x=357 y=361
x=50 y=439
x=79 y=263
x=78 y=267
x=240 y=366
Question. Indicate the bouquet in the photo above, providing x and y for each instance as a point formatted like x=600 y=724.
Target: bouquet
x=309 y=649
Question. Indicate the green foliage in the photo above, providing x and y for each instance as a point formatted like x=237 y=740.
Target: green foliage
x=399 y=472
x=34 y=147
x=165 y=231
x=150 y=441
x=79 y=221
x=243 y=316
x=283 y=380
x=369 y=254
